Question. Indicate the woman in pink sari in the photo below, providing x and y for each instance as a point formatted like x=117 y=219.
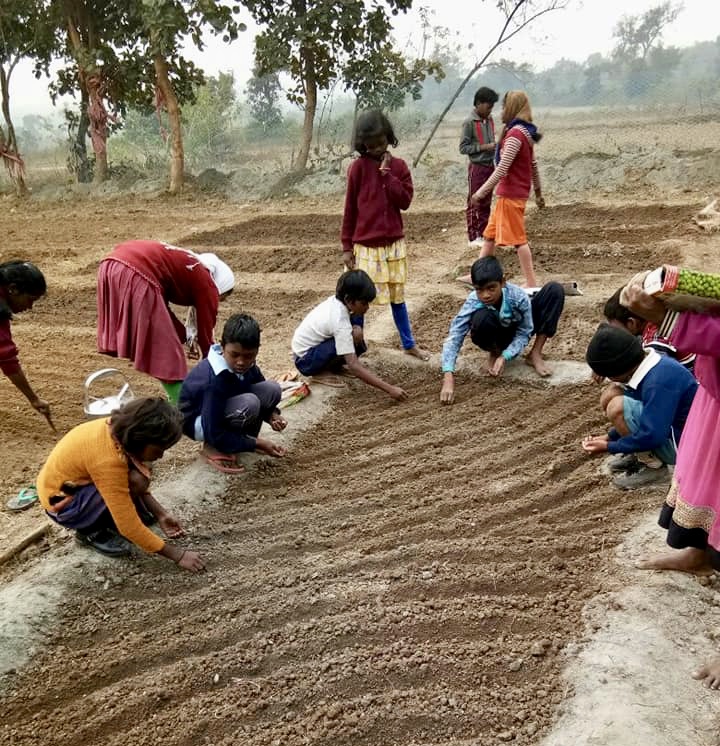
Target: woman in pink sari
x=691 y=513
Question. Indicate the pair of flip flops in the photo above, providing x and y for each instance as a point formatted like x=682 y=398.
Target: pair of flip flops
x=23 y=500
x=223 y=463
x=294 y=393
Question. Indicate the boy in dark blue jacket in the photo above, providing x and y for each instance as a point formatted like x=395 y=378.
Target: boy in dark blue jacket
x=225 y=399
x=647 y=406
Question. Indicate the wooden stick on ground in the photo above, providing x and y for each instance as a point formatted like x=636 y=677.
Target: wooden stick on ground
x=31 y=538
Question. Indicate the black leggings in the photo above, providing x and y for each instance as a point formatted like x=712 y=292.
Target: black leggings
x=547 y=305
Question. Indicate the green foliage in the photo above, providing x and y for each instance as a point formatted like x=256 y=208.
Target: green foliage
x=25 y=31
x=314 y=41
x=210 y=129
x=166 y=22
x=636 y=35
x=384 y=79
x=37 y=133
x=263 y=94
x=121 y=38
x=210 y=123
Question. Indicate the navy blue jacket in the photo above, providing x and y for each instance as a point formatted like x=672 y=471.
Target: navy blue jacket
x=666 y=389
x=205 y=393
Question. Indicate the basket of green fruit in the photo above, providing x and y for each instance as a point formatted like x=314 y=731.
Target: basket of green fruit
x=684 y=289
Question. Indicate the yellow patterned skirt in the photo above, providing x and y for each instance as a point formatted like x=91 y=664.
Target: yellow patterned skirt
x=387 y=267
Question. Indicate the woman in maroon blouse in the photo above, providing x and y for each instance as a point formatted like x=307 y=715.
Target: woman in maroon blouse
x=136 y=282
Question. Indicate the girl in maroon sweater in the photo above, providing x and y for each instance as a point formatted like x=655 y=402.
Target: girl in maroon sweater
x=379 y=187
x=515 y=173
x=21 y=284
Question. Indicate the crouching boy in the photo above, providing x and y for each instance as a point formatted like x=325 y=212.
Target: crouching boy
x=225 y=398
x=647 y=406
x=501 y=318
x=330 y=338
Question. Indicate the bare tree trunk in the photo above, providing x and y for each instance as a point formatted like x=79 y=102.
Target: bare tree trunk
x=310 y=85
x=504 y=36
x=356 y=111
x=177 y=152
x=82 y=168
x=91 y=86
x=97 y=120
x=8 y=145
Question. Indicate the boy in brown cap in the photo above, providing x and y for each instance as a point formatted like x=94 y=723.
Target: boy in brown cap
x=647 y=406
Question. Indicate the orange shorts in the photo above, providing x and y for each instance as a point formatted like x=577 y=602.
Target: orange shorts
x=507 y=222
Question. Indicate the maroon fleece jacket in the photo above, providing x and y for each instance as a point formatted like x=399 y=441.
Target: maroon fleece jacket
x=373 y=202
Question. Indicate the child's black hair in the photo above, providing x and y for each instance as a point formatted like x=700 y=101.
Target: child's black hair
x=615 y=311
x=371 y=124
x=243 y=330
x=485 y=270
x=26 y=278
x=144 y=422
x=485 y=95
x=355 y=285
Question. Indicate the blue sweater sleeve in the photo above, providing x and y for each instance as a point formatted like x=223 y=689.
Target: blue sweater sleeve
x=459 y=327
x=660 y=402
x=215 y=431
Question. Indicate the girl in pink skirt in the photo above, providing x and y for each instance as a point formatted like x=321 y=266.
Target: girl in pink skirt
x=136 y=282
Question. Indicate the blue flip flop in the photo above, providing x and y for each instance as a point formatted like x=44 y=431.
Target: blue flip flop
x=23 y=500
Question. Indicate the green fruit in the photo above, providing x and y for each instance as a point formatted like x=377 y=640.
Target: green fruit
x=702 y=284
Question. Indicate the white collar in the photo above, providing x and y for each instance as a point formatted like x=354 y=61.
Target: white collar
x=652 y=358
x=216 y=359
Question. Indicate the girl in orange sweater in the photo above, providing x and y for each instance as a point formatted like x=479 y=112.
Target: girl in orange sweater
x=96 y=482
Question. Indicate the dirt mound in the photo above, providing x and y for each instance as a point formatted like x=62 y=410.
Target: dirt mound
x=314 y=228
x=709 y=217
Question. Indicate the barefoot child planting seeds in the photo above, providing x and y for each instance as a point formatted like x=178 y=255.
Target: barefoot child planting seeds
x=96 y=481
x=691 y=513
x=330 y=338
x=501 y=318
x=225 y=398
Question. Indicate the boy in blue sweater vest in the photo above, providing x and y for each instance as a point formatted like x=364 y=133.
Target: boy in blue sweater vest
x=647 y=406
x=225 y=398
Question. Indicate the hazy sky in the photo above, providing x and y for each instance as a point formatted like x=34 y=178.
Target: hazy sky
x=585 y=27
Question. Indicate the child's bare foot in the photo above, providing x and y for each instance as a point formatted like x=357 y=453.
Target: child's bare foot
x=684 y=560
x=492 y=359
x=419 y=353
x=535 y=360
x=328 y=379
x=709 y=673
x=464 y=279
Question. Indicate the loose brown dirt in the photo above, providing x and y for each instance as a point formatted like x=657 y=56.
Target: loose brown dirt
x=408 y=574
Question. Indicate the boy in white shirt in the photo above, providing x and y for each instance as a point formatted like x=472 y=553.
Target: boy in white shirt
x=331 y=335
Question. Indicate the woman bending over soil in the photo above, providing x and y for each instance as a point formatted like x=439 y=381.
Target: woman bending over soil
x=21 y=284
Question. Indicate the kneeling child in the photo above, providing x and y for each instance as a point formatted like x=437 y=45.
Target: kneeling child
x=225 y=398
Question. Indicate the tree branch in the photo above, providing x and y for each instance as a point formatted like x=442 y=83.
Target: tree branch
x=502 y=39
